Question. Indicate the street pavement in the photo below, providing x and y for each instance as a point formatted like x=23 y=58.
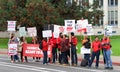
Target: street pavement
x=7 y=66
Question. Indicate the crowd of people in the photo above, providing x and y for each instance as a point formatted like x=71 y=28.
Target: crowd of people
x=64 y=49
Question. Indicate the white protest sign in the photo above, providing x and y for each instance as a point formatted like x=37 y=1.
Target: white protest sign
x=108 y=30
x=56 y=31
x=85 y=50
x=47 y=33
x=81 y=25
x=32 y=31
x=11 y=25
x=89 y=29
x=22 y=31
x=12 y=49
x=69 y=25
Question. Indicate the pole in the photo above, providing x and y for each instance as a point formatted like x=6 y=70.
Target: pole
x=70 y=49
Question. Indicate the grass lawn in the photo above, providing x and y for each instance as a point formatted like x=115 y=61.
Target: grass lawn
x=115 y=41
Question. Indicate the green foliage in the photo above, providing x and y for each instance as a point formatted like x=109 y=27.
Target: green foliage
x=31 y=13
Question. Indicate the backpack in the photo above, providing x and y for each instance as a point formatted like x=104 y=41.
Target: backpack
x=40 y=45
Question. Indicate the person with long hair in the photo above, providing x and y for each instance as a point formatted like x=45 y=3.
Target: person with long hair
x=22 y=42
x=107 y=52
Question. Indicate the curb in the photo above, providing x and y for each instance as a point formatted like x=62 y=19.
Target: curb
x=80 y=59
x=114 y=63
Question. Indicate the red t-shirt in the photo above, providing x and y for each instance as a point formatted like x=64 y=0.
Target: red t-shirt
x=96 y=46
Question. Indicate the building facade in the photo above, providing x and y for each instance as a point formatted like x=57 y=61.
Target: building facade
x=111 y=9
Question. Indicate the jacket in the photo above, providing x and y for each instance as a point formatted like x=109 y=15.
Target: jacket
x=105 y=44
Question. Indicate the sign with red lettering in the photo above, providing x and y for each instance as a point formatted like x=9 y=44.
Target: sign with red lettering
x=11 y=25
x=12 y=49
x=32 y=50
x=69 y=25
x=81 y=25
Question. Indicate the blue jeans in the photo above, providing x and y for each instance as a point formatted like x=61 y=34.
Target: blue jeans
x=45 y=57
x=107 y=56
x=74 y=55
x=95 y=54
x=16 y=57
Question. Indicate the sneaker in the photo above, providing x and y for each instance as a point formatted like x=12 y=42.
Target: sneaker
x=111 y=68
x=12 y=61
x=106 y=67
x=96 y=67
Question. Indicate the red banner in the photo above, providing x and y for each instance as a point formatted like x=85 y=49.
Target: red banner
x=32 y=50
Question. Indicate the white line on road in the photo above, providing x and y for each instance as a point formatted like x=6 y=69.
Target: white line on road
x=93 y=70
x=29 y=67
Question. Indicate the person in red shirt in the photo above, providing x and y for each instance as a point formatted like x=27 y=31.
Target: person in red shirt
x=45 y=49
x=73 y=43
x=59 y=47
x=96 y=47
x=106 y=46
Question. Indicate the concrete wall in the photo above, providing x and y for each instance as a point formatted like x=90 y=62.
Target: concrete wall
x=96 y=32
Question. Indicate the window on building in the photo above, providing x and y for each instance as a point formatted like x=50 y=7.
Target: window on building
x=101 y=2
x=112 y=2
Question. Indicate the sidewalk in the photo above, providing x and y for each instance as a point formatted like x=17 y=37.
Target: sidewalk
x=115 y=59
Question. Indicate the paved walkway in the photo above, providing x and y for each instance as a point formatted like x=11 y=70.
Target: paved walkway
x=115 y=59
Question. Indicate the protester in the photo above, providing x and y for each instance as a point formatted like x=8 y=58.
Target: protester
x=107 y=52
x=73 y=43
x=35 y=41
x=14 y=40
x=45 y=49
x=87 y=45
x=21 y=43
x=64 y=48
x=53 y=42
x=59 y=52
x=96 y=47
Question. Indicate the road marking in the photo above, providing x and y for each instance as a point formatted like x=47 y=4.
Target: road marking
x=29 y=67
x=24 y=68
x=92 y=70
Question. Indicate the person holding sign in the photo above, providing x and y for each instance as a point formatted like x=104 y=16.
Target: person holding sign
x=73 y=44
x=107 y=52
x=14 y=40
x=45 y=49
x=96 y=47
x=87 y=45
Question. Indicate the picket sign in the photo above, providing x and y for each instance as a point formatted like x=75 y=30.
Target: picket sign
x=108 y=30
x=33 y=50
x=22 y=31
x=12 y=49
x=32 y=31
x=69 y=25
x=11 y=25
x=46 y=33
x=85 y=51
x=89 y=29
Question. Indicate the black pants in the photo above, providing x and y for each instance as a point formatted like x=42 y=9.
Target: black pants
x=64 y=57
x=54 y=53
x=95 y=54
x=87 y=57
x=24 y=57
